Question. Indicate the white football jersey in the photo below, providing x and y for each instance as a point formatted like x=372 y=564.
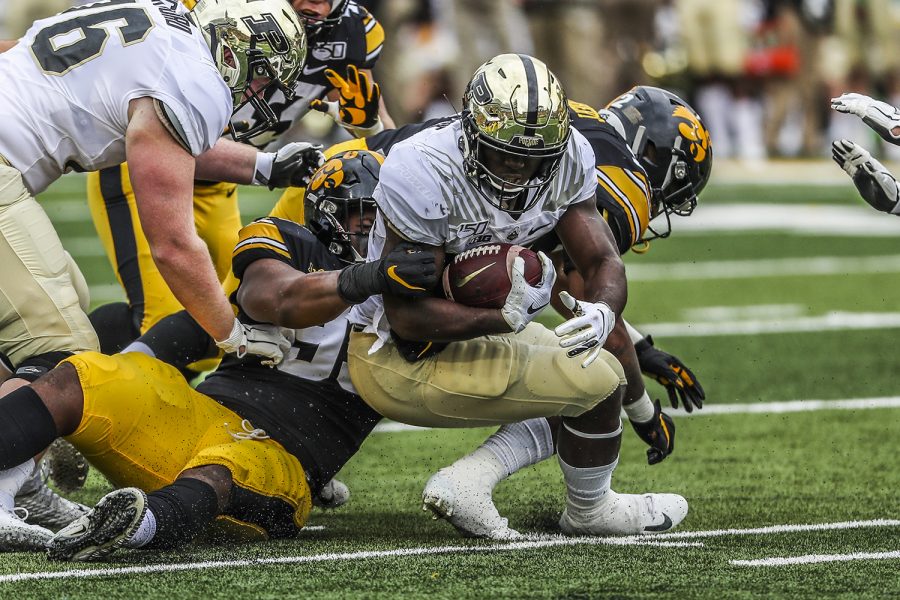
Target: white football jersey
x=425 y=195
x=65 y=86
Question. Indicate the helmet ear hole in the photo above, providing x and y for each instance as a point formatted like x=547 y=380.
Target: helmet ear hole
x=651 y=153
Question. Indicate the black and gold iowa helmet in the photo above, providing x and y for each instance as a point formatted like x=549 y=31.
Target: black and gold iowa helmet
x=672 y=145
x=514 y=105
x=342 y=187
x=320 y=27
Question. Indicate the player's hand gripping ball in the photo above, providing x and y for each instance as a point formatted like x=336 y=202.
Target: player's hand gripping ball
x=481 y=276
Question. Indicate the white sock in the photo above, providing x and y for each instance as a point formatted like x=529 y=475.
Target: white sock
x=137 y=346
x=145 y=533
x=512 y=448
x=11 y=481
x=641 y=410
x=586 y=486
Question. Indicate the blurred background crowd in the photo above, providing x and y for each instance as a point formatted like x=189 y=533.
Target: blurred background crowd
x=760 y=72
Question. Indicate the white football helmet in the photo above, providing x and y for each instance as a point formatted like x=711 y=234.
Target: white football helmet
x=249 y=40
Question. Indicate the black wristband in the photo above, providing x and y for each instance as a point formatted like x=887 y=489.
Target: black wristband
x=643 y=344
x=359 y=281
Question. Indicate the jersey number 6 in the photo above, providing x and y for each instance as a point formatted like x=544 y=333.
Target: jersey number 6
x=62 y=46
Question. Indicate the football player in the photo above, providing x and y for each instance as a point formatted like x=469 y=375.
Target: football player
x=653 y=158
x=509 y=168
x=874 y=182
x=252 y=444
x=146 y=81
x=344 y=43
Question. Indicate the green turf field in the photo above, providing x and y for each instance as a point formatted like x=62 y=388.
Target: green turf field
x=768 y=320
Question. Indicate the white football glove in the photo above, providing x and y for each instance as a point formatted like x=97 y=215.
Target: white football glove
x=524 y=301
x=591 y=325
x=873 y=181
x=268 y=341
x=880 y=116
x=291 y=166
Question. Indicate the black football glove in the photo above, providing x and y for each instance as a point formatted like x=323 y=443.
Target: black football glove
x=671 y=373
x=406 y=271
x=658 y=433
x=294 y=164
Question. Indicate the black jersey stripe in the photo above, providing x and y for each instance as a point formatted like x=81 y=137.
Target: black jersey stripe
x=121 y=227
x=531 y=117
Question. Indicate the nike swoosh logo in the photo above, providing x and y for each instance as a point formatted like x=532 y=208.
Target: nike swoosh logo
x=308 y=71
x=664 y=526
x=464 y=280
x=533 y=309
x=392 y=273
x=538 y=228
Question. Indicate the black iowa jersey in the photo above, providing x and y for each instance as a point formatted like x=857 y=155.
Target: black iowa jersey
x=623 y=188
x=307 y=403
x=356 y=40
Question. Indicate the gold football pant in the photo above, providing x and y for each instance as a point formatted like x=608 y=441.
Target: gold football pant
x=40 y=308
x=489 y=380
x=143 y=425
x=111 y=200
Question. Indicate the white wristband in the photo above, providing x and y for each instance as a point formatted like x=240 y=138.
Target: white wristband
x=633 y=334
x=263 y=170
x=360 y=132
x=641 y=410
x=234 y=338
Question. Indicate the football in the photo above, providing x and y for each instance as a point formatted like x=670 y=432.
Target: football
x=481 y=276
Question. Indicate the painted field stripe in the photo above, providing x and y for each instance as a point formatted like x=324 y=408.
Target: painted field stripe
x=794 y=219
x=832 y=321
x=777 y=267
x=528 y=544
x=793 y=406
x=744 y=408
x=780 y=561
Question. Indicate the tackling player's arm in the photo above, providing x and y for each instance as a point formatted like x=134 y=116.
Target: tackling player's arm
x=274 y=292
x=436 y=319
x=6 y=45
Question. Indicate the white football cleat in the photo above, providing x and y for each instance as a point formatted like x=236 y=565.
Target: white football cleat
x=464 y=499
x=18 y=536
x=68 y=467
x=333 y=494
x=106 y=528
x=626 y=514
x=45 y=507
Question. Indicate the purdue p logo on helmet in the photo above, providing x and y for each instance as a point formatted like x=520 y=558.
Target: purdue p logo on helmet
x=253 y=40
x=514 y=106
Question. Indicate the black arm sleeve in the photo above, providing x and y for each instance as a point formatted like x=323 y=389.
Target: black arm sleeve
x=179 y=340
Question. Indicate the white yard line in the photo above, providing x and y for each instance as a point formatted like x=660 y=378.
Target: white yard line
x=774 y=267
x=795 y=219
x=832 y=321
x=789 y=406
x=780 y=561
x=530 y=544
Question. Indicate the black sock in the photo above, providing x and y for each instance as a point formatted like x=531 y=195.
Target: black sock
x=26 y=427
x=115 y=326
x=179 y=341
x=182 y=511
